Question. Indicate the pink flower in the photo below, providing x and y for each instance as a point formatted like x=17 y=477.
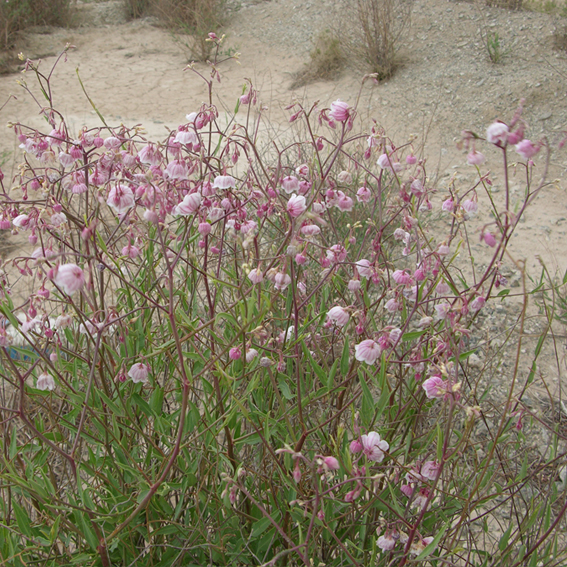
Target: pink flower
x=204 y=228
x=477 y=303
x=353 y=494
x=401 y=277
x=251 y=354
x=429 y=470
x=120 y=198
x=177 y=169
x=373 y=446
x=256 y=276
x=386 y=161
x=442 y=288
x=339 y=111
x=419 y=544
x=224 y=182
x=64 y=321
x=354 y=285
x=355 y=446
x=186 y=137
x=417 y=187
x=448 y=205
x=497 y=133
x=281 y=281
x=151 y=216
x=296 y=205
x=401 y=235
x=386 y=542
x=296 y=471
x=363 y=195
x=338 y=315
x=79 y=188
x=112 y=143
x=150 y=155
x=45 y=382
x=470 y=207
x=70 y=278
x=290 y=184
x=395 y=335
x=234 y=353
x=139 y=372
x=310 y=230
x=337 y=253
x=344 y=203
x=131 y=251
x=367 y=351
x=442 y=310
x=435 y=387
x=363 y=268
x=526 y=149
x=189 y=205
x=330 y=463
x=488 y=237
x=22 y=221
x=393 y=305
x=475 y=158
x=66 y=160
x=419 y=275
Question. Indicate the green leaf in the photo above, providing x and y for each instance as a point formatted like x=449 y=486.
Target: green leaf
x=503 y=543
x=503 y=293
x=13 y=451
x=439 y=444
x=284 y=388
x=156 y=401
x=142 y=404
x=22 y=519
x=406 y=337
x=260 y=527
x=431 y=547
x=54 y=532
x=332 y=374
x=383 y=402
x=321 y=374
x=367 y=408
x=345 y=362
x=524 y=470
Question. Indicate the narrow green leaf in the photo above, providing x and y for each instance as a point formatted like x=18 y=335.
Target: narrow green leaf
x=503 y=543
x=367 y=408
x=345 y=362
x=431 y=547
x=332 y=374
x=54 y=532
x=439 y=444
x=260 y=527
x=156 y=401
x=142 y=404
x=13 y=451
x=406 y=337
x=22 y=519
x=284 y=388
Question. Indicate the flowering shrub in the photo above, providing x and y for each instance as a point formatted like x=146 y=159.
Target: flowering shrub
x=230 y=357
